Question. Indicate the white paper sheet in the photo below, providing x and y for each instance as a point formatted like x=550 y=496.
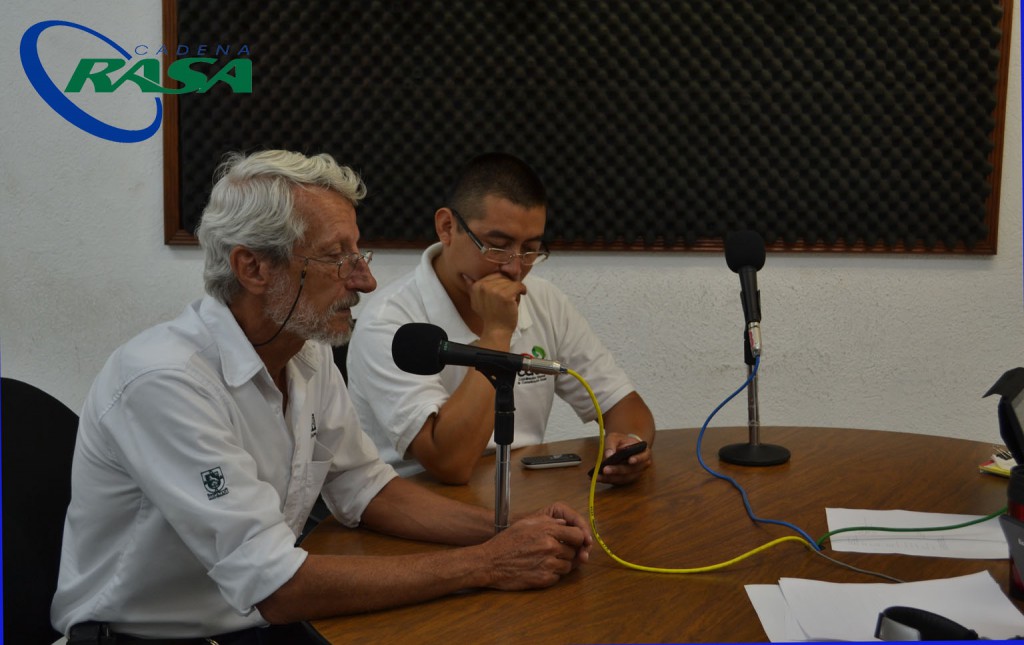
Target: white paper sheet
x=816 y=610
x=983 y=541
x=777 y=620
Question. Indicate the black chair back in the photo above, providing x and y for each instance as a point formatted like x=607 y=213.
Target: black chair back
x=37 y=442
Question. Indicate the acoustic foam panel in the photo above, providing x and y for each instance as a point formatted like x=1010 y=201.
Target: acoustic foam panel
x=654 y=124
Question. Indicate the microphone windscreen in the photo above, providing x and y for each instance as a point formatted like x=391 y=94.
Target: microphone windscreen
x=744 y=249
x=416 y=348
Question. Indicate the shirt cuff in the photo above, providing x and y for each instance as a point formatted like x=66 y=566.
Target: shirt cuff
x=258 y=567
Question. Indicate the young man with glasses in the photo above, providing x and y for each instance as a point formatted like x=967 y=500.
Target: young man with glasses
x=474 y=284
x=205 y=441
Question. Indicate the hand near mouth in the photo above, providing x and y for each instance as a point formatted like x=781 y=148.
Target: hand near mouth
x=495 y=298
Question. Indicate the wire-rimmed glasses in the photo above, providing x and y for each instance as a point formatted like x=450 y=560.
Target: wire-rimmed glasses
x=502 y=256
x=346 y=264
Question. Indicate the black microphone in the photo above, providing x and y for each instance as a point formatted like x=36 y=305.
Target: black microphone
x=422 y=348
x=744 y=253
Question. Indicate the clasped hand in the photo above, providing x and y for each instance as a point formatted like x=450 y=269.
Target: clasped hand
x=538 y=549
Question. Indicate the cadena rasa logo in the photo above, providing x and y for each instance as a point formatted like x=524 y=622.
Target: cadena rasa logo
x=108 y=75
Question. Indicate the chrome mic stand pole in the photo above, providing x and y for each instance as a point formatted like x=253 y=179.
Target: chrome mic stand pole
x=504 y=434
x=753 y=453
x=503 y=380
x=753 y=411
x=502 y=490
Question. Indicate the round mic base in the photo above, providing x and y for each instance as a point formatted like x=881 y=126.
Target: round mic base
x=748 y=454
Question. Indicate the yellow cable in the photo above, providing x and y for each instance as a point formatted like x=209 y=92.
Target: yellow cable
x=640 y=567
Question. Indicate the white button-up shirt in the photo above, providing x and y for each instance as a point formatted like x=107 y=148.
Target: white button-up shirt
x=393 y=405
x=190 y=484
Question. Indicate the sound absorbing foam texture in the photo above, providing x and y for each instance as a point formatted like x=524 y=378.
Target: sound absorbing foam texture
x=655 y=124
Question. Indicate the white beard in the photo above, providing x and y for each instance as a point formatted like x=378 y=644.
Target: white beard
x=305 y=322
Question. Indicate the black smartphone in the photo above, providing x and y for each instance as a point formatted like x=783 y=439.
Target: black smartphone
x=551 y=461
x=621 y=455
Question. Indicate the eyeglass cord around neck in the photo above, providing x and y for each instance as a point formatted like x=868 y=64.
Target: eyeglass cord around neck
x=302 y=281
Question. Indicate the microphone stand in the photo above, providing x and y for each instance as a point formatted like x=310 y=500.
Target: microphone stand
x=503 y=381
x=753 y=453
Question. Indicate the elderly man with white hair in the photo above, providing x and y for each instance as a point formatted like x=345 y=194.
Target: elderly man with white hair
x=205 y=441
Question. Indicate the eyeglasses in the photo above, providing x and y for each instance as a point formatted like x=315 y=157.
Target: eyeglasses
x=347 y=263
x=502 y=256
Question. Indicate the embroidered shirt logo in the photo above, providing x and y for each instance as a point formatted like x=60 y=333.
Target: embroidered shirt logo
x=213 y=482
x=538 y=352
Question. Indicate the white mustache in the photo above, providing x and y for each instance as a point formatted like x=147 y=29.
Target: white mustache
x=347 y=303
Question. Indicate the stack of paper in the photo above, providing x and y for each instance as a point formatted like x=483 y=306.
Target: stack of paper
x=810 y=610
x=997 y=466
x=1001 y=462
x=802 y=610
x=983 y=541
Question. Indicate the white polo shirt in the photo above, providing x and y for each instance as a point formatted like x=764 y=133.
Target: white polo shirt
x=190 y=485
x=393 y=405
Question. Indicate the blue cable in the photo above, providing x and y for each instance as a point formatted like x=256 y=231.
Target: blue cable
x=743 y=493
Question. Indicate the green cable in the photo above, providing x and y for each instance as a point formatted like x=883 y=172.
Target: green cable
x=822 y=539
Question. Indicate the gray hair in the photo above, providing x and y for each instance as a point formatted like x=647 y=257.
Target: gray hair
x=252 y=205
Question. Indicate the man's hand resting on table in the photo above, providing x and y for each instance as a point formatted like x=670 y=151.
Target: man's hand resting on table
x=538 y=549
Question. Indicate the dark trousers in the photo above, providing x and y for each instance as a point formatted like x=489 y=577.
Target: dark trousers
x=290 y=634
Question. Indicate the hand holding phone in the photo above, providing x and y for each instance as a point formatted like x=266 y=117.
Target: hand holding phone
x=620 y=456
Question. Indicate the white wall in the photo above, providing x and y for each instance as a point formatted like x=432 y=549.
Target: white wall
x=872 y=341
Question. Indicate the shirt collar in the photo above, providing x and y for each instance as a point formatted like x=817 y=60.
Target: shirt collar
x=239 y=360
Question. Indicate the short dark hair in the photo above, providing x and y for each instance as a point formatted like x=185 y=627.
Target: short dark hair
x=497 y=174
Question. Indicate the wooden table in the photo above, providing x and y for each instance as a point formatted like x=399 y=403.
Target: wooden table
x=678 y=516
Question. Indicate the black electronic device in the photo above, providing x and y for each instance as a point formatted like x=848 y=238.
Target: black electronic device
x=621 y=455
x=551 y=461
x=1009 y=387
x=913 y=624
x=1013 y=530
